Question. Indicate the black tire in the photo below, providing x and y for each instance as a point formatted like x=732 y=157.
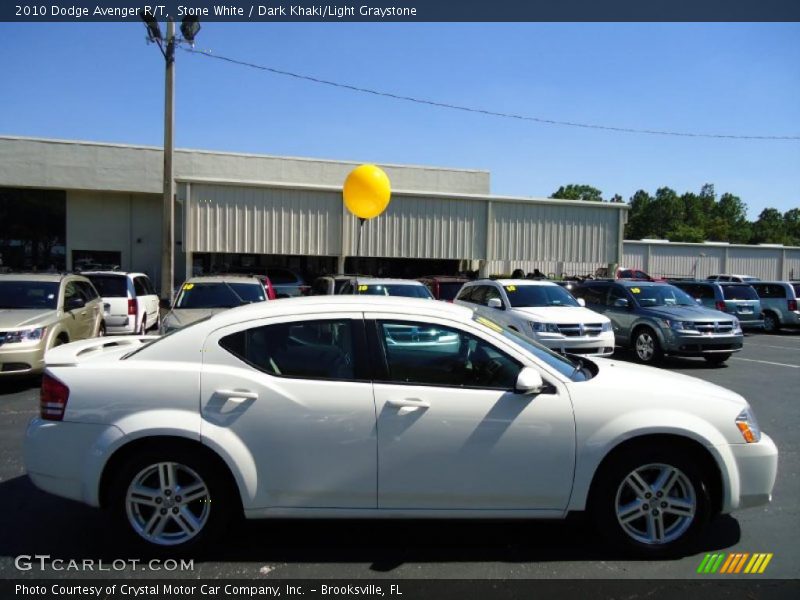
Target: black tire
x=101 y=330
x=771 y=322
x=143 y=326
x=611 y=490
x=717 y=359
x=210 y=519
x=646 y=347
x=62 y=339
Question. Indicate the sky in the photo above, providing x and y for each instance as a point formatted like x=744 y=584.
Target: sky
x=103 y=82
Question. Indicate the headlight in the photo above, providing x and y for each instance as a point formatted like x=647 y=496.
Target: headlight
x=539 y=327
x=606 y=326
x=25 y=335
x=748 y=426
x=737 y=326
x=679 y=325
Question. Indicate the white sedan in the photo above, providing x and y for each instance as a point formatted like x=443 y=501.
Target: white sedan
x=372 y=407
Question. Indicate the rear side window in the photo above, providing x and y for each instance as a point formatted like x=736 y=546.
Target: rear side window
x=139 y=286
x=308 y=350
x=739 y=292
x=770 y=290
x=110 y=286
x=796 y=287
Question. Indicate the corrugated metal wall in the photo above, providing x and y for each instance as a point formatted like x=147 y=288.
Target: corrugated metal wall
x=553 y=232
x=415 y=227
x=264 y=221
x=677 y=260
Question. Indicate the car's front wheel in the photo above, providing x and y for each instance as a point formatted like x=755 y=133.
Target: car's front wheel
x=165 y=498
x=654 y=504
x=646 y=346
x=771 y=323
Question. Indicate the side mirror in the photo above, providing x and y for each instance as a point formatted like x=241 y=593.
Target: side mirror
x=75 y=302
x=529 y=381
x=164 y=303
x=582 y=302
x=621 y=303
x=495 y=303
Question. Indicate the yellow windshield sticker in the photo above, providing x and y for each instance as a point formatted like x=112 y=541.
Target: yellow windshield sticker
x=489 y=324
x=511 y=288
x=635 y=291
x=188 y=286
x=363 y=288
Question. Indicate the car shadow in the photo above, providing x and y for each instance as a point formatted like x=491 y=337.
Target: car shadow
x=673 y=362
x=17 y=384
x=34 y=522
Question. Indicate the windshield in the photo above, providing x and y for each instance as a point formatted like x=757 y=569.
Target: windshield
x=739 y=292
x=110 y=286
x=394 y=289
x=219 y=294
x=539 y=295
x=559 y=362
x=660 y=295
x=29 y=294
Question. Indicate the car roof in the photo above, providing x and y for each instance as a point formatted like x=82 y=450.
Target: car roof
x=517 y=282
x=634 y=283
x=447 y=278
x=120 y=273
x=386 y=281
x=342 y=303
x=233 y=277
x=53 y=277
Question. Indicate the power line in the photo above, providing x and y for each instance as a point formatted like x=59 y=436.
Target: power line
x=481 y=111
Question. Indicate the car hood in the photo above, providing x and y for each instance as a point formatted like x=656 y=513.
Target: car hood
x=659 y=386
x=18 y=318
x=561 y=314
x=692 y=313
x=181 y=317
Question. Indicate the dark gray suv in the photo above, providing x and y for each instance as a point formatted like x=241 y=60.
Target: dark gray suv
x=656 y=318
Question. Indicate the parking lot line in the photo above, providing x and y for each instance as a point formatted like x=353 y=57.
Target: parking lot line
x=779 y=347
x=766 y=362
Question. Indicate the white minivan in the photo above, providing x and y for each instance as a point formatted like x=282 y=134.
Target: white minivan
x=542 y=310
x=130 y=303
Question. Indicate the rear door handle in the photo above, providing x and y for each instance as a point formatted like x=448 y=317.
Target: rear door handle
x=411 y=403
x=237 y=395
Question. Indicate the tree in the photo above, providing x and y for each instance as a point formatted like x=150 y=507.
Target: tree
x=729 y=221
x=617 y=199
x=578 y=192
x=666 y=212
x=791 y=225
x=769 y=228
x=638 y=225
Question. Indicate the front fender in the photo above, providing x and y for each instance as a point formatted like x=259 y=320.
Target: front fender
x=641 y=423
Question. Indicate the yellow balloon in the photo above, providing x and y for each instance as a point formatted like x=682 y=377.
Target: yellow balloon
x=367 y=191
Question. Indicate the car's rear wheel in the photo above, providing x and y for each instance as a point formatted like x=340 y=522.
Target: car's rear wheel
x=654 y=504
x=646 y=346
x=771 y=324
x=164 y=498
x=717 y=359
x=143 y=326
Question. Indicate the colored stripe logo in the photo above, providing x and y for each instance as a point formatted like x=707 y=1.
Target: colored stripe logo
x=735 y=563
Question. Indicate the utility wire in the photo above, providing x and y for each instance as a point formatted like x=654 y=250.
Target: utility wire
x=481 y=111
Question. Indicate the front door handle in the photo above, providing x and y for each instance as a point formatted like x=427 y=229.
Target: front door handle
x=237 y=395
x=410 y=403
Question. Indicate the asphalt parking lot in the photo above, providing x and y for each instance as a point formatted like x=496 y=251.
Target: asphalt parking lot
x=766 y=372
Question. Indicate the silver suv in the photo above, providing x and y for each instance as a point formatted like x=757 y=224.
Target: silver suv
x=779 y=301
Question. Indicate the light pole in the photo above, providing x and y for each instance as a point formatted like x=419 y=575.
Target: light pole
x=189 y=28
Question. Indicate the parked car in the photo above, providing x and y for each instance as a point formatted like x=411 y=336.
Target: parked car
x=130 y=303
x=738 y=299
x=326 y=285
x=733 y=277
x=373 y=286
x=40 y=311
x=655 y=319
x=201 y=297
x=623 y=273
x=443 y=287
x=287 y=283
x=542 y=310
x=779 y=300
x=178 y=435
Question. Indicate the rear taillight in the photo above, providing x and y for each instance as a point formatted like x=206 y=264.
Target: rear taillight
x=792 y=304
x=53 y=399
x=720 y=305
x=133 y=306
x=271 y=295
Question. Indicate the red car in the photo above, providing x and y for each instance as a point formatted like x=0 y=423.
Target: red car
x=443 y=287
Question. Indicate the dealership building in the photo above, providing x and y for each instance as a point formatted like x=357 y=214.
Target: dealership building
x=64 y=204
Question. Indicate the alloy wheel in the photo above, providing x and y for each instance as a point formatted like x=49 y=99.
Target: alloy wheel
x=168 y=503
x=645 y=347
x=655 y=504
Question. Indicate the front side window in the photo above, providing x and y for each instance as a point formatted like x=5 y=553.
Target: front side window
x=466 y=293
x=309 y=349
x=28 y=294
x=592 y=294
x=86 y=290
x=616 y=293
x=430 y=354
x=539 y=295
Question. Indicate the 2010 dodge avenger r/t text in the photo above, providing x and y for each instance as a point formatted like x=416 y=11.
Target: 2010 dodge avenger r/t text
x=386 y=407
